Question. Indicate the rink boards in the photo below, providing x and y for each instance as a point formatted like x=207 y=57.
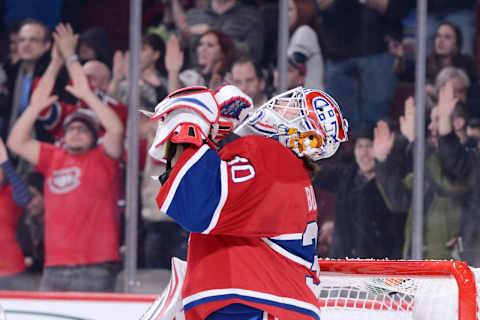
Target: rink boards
x=73 y=306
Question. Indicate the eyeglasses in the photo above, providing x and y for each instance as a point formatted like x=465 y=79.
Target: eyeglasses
x=32 y=40
x=79 y=128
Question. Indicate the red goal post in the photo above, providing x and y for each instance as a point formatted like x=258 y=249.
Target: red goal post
x=405 y=278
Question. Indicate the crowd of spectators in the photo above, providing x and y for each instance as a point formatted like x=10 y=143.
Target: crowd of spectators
x=64 y=90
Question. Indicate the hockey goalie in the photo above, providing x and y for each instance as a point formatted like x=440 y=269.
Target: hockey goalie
x=249 y=205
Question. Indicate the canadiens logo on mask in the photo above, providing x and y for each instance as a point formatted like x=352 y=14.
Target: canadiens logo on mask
x=65 y=180
x=308 y=122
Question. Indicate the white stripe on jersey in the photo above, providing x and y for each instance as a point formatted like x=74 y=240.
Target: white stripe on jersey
x=288 y=236
x=286 y=254
x=171 y=193
x=223 y=197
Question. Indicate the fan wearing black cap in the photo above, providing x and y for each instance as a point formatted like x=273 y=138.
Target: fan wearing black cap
x=82 y=183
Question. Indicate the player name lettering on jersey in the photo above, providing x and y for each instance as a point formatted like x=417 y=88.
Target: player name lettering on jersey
x=312 y=202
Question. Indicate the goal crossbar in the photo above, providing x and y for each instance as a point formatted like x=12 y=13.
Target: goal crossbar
x=460 y=271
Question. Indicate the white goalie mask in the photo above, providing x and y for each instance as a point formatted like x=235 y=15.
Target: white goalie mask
x=188 y=115
x=308 y=122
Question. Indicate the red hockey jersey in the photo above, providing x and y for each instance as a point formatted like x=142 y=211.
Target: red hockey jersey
x=252 y=213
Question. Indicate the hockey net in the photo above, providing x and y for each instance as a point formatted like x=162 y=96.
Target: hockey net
x=383 y=289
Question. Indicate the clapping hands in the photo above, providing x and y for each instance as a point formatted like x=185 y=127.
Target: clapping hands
x=120 y=66
x=173 y=55
x=383 y=140
x=65 y=40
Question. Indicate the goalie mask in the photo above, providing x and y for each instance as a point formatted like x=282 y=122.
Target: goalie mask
x=234 y=106
x=308 y=122
x=188 y=115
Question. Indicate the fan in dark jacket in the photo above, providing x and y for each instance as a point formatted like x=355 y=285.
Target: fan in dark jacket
x=363 y=225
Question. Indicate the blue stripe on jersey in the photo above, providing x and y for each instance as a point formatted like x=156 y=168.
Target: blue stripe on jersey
x=198 y=193
x=286 y=306
x=297 y=248
x=50 y=119
x=237 y=311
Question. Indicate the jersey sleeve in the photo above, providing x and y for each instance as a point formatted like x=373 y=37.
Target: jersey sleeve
x=196 y=190
x=238 y=196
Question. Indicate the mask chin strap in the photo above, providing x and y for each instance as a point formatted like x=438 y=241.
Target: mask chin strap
x=171 y=151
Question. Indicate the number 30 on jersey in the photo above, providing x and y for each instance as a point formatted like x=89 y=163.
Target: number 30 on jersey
x=241 y=170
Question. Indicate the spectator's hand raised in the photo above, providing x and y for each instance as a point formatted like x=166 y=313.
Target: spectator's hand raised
x=119 y=73
x=56 y=56
x=199 y=29
x=65 y=39
x=80 y=88
x=179 y=17
x=446 y=99
x=173 y=55
x=407 y=121
x=3 y=151
x=383 y=140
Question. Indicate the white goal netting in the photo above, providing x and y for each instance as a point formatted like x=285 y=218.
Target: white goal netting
x=419 y=290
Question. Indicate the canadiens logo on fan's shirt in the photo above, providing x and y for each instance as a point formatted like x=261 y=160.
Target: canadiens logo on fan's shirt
x=64 y=180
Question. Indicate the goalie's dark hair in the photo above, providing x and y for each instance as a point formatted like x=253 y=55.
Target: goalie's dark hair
x=311 y=166
x=172 y=149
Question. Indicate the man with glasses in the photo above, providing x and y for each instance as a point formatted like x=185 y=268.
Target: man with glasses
x=34 y=42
